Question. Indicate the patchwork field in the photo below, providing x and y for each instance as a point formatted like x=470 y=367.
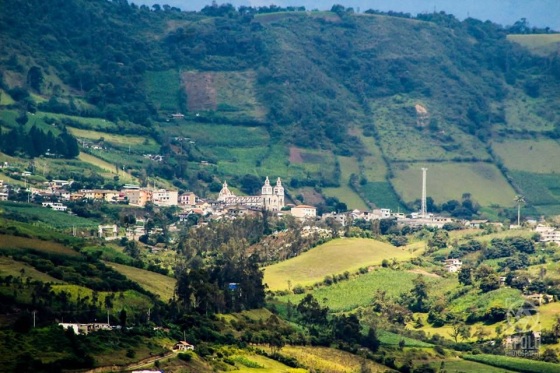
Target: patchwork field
x=106 y=166
x=447 y=181
x=119 y=140
x=47 y=216
x=459 y=366
x=156 y=283
x=334 y=257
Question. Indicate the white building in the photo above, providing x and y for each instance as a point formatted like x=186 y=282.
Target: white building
x=453 y=265
x=304 y=212
x=164 y=197
x=55 y=206
x=548 y=234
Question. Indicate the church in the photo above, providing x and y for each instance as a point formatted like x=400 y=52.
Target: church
x=271 y=199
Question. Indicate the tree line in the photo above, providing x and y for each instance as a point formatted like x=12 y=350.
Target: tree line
x=36 y=142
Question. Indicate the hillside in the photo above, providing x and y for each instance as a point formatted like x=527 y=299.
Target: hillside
x=379 y=95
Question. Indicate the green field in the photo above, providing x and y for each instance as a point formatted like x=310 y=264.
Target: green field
x=10 y=267
x=382 y=195
x=106 y=166
x=328 y=360
x=163 y=88
x=529 y=155
x=447 y=181
x=119 y=140
x=334 y=257
x=361 y=290
x=156 y=283
x=50 y=247
x=47 y=216
x=481 y=302
x=514 y=363
x=461 y=366
x=128 y=299
x=540 y=44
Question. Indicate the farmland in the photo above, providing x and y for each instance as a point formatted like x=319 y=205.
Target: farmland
x=52 y=218
x=331 y=258
x=540 y=44
x=447 y=181
x=529 y=155
x=10 y=267
x=155 y=283
x=513 y=363
x=8 y=242
x=361 y=290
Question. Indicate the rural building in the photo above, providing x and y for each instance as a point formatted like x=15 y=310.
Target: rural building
x=79 y=328
x=137 y=197
x=183 y=346
x=304 y=212
x=55 y=206
x=548 y=234
x=453 y=265
x=187 y=199
x=164 y=197
x=107 y=231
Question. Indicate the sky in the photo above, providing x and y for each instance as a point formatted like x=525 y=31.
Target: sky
x=540 y=13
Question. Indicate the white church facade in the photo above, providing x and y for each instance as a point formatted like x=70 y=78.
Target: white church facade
x=271 y=198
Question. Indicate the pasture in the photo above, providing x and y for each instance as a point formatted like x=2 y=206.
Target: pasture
x=329 y=360
x=347 y=195
x=458 y=365
x=10 y=267
x=529 y=155
x=118 y=140
x=514 y=363
x=448 y=180
x=525 y=113
x=156 y=283
x=333 y=257
x=8 y=242
x=47 y=216
x=539 y=44
x=130 y=300
x=163 y=88
x=361 y=290
x=373 y=165
x=106 y=166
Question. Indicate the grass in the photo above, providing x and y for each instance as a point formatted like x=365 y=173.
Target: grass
x=56 y=219
x=208 y=135
x=447 y=181
x=156 y=283
x=514 y=363
x=118 y=140
x=24 y=243
x=539 y=44
x=347 y=195
x=361 y=290
x=480 y=303
x=5 y=99
x=382 y=195
x=459 y=366
x=130 y=300
x=392 y=339
x=329 y=360
x=163 y=88
x=334 y=257
x=529 y=155
x=10 y=267
x=106 y=166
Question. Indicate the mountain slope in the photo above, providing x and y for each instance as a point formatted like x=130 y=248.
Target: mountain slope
x=389 y=94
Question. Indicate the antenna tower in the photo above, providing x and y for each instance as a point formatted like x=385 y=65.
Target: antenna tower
x=423 y=212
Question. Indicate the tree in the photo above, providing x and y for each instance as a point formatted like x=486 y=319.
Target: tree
x=311 y=311
x=465 y=275
x=35 y=78
x=371 y=341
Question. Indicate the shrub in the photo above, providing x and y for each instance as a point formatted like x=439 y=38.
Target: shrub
x=185 y=356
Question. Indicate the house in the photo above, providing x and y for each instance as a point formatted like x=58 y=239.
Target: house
x=3 y=196
x=107 y=231
x=55 y=206
x=183 y=346
x=177 y=116
x=452 y=265
x=163 y=197
x=540 y=298
x=85 y=328
x=548 y=234
x=137 y=197
x=304 y=212
x=187 y=198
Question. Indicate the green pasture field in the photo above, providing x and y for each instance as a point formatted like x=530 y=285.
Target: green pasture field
x=334 y=257
x=361 y=290
x=460 y=366
x=265 y=365
x=525 y=113
x=163 y=88
x=539 y=44
x=538 y=189
x=5 y=99
x=57 y=219
x=155 y=283
x=514 y=363
x=108 y=252
x=347 y=195
x=326 y=359
x=529 y=155
x=131 y=300
x=109 y=168
x=373 y=166
x=382 y=195
x=208 y=135
x=481 y=302
x=392 y=339
x=237 y=89
x=8 y=242
x=93 y=123
x=10 y=267
x=136 y=142
x=447 y=181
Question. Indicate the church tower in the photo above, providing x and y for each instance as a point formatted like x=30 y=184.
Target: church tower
x=266 y=189
x=279 y=192
x=225 y=192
